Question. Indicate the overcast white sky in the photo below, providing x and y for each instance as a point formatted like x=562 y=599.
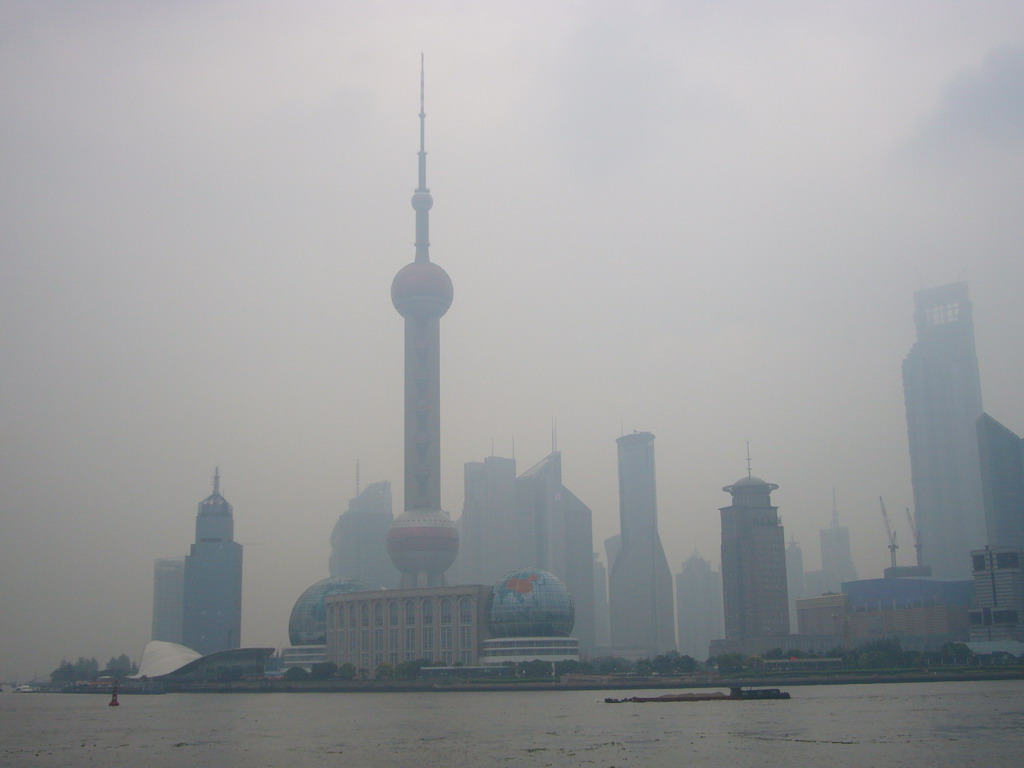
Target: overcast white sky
x=702 y=219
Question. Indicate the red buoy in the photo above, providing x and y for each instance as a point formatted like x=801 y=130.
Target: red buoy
x=113 y=696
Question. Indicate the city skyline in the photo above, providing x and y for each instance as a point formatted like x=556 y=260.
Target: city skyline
x=708 y=211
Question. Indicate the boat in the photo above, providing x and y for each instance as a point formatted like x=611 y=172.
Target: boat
x=735 y=694
x=24 y=689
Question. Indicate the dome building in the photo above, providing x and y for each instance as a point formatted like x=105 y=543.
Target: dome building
x=307 y=626
x=531 y=615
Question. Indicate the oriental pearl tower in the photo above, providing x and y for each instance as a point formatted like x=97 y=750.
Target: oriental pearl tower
x=422 y=541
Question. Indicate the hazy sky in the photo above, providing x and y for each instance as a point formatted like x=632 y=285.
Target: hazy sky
x=702 y=219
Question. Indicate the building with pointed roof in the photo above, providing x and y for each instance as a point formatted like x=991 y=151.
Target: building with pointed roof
x=212 y=600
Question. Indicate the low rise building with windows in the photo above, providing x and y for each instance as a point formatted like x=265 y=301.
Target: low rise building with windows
x=439 y=624
x=527 y=616
x=998 y=612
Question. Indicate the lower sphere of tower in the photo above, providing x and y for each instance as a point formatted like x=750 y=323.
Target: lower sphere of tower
x=422 y=289
x=423 y=542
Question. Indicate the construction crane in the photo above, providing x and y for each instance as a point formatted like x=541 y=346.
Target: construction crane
x=893 y=546
x=913 y=532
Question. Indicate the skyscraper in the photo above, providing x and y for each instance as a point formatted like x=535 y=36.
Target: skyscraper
x=488 y=524
x=942 y=391
x=1002 y=483
x=168 y=599
x=753 y=563
x=357 y=542
x=422 y=541
x=555 y=534
x=212 y=611
x=640 y=586
x=699 y=602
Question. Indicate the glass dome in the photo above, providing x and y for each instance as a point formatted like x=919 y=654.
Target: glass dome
x=308 y=622
x=530 y=602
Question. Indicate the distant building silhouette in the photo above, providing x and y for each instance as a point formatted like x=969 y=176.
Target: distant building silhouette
x=212 y=610
x=168 y=599
x=602 y=636
x=357 y=542
x=554 y=534
x=753 y=563
x=640 y=585
x=796 y=584
x=942 y=392
x=699 y=606
x=489 y=521
x=1001 y=454
x=836 y=558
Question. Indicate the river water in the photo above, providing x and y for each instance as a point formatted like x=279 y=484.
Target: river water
x=924 y=725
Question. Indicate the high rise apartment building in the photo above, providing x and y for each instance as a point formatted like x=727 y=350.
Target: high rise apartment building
x=942 y=392
x=753 y=563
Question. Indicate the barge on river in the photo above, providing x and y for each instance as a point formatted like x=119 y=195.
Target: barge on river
x=735 y=694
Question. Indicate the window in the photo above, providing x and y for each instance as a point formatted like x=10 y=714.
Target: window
x=428 y=638
x=338 y=614
x=393 y=639
x=1007 y=560
x=446 y=638
x=378 y=614
x=465 y=611
x=428 y=611
x=364 y=614
x=393 y=613
x=446 y=611
x=979 y=563
x=410 y=638
x=465 y=637
x=1004 y=617
x=410 y=612
x=378 y=639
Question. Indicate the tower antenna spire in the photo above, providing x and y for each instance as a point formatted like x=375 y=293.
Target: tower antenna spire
x=422 y=202
x=357 y=477
x=835 y=510
x=748 y=459
x=216 y=479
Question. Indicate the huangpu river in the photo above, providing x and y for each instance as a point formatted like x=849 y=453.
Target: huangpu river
x=908 y=725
